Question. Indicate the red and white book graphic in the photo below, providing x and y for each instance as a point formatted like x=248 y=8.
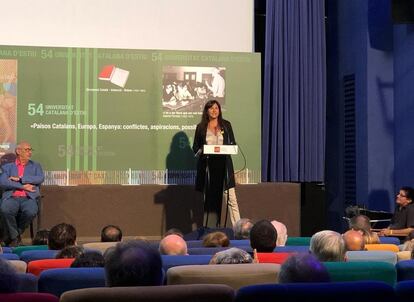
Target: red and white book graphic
x=114 y=74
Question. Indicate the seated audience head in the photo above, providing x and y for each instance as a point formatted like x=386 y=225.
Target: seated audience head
x=233 y=255
x=216 y=239
x=133 y=263
x=263 y=236
x=303 y=268
x=41 y=237
x=354 y=241
x=71 y=251
x=408 y=245
x=111 y=233
x=89 y=259
x=173 y=245
x=61 y=235
x=242 y=228
x=8 y=277
x=281 y=232
x=328 y=246
x=362 y=223
x=173 y=231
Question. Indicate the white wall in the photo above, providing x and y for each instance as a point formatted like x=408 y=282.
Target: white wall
x=212 y=25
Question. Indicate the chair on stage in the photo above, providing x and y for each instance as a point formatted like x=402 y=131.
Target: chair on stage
x=233 y=275
x=57 y=281
x=321 y=292
x=167 y=293
x=38 y=266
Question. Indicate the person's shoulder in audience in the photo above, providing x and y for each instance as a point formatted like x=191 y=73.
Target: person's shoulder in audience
x=282 y=233
x=89 y=259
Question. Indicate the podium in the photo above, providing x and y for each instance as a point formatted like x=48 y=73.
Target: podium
x=213 y=190
x=221 y=149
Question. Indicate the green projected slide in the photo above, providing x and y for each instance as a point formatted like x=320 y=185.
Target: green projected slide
x=119 y=116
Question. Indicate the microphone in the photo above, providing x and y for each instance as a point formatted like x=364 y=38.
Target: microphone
x=198 y=153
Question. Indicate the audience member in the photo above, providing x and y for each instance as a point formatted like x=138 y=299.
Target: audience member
x=328 y=246
x=173 y=231
x=408 y=245
x=133 y=263
x=111 y=233
x=363 y=223
x=354 y=240
x=216 y=239
x=89 y=259
x=173 y=245
x=41 y=237
x=70 y=251
x=61 y=235
x=263 y=236
x=303 y=268
x=281 y=232
x=242 y=228
x=233 y=255
x=8 y=277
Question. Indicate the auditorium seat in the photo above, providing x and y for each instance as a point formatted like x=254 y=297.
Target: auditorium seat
x=405 y=270
x=292 y=249
x=32 y=255
x=167 y=293
x=26 y=282
x=321 y=292
x=7 y=249
x=381 y=256
x=278 y=258
x=28 y=297
x=233 y=275
x=99 y=246
x=19 y=265
x=23 y=248
x=358 y=271
x=239 y=242
x=38 y=266
x=389 y=240
x=9 y=256
x=169 y=261
x=205 y=250
x=194 y=243
x=382 y=247
x=404 y=290
x=404 y=255
x=298 y=241
x=57 y=281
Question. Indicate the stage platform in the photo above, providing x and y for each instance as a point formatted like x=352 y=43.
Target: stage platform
x=149 y=210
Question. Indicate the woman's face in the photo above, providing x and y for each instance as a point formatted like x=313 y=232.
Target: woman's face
x=213 y=112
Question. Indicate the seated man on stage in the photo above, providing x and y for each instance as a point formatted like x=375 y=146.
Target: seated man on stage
x=402 y=222
x=20 y=181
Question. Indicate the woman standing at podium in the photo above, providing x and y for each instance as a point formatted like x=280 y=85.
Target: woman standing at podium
x=215 y=172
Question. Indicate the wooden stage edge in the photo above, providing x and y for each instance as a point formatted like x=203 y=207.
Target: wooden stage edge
x=149 y=210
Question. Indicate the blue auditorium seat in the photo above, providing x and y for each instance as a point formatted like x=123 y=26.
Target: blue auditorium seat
x=9 y=256
x=405 y=270
x=169 y=261
x=26 y=283
x=28 y=256
x=330 y=291
x=57 y=281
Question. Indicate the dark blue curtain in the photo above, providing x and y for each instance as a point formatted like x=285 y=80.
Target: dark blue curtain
x=293 y=144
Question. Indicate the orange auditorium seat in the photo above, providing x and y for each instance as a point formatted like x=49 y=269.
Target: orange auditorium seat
x=382 y=247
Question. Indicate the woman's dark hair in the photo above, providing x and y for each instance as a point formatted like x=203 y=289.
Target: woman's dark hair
x=41 y=237
x=205 y=119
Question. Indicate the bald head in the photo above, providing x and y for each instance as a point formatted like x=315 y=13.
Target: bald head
x=354 y=241
x=173 y=245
